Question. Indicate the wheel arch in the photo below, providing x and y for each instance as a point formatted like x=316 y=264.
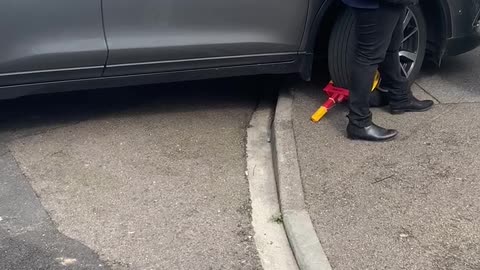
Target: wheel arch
x=439 y=28
x=318 y=32
x=319 y=29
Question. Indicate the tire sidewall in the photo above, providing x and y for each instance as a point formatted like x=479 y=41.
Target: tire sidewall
x=342 y=43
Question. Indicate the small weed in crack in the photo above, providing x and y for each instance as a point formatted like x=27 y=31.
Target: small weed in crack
x=278 y=218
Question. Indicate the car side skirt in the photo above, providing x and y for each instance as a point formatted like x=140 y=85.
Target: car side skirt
x=301 y=64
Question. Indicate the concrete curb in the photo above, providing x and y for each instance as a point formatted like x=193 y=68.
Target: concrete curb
x=270 y=237
x=298 y=225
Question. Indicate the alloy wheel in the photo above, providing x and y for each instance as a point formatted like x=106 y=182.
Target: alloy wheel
x=410 y=44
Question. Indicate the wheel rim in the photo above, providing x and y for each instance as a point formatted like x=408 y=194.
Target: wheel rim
x=410 y=44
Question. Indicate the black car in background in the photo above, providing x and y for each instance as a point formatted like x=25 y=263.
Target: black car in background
x=57 y=45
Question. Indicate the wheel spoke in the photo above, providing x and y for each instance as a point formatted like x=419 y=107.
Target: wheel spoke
x=405 y=73
x=409 y=55
x=410 y=43
x=410 y=35
x=408 y=18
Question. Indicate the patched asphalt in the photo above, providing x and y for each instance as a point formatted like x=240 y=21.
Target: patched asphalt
x=28 y=237
x=143 y=178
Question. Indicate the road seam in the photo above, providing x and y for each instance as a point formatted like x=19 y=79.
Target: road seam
x=427 y=92
x=270 y=236
x=297 y=222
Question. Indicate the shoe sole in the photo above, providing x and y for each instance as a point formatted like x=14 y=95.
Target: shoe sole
x=410 y=110
x=354 y=138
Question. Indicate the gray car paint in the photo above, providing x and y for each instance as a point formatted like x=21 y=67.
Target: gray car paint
x=152 y=36
x=60 y=45
x=50 y=40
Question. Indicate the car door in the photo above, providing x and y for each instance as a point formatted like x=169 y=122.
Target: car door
x=50 y=40
x=146 y=36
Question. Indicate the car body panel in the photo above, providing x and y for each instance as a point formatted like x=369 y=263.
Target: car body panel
x=50 y=40
x=154 y=36
x=63 y=47
x=464 y=35
x=14 y=91
x=463 y=14
x=197 y=63
x=317 y=10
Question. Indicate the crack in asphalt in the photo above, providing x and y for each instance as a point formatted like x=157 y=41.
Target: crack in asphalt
x=425 y=90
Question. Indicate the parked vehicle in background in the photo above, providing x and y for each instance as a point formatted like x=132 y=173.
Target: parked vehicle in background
x=57 y=45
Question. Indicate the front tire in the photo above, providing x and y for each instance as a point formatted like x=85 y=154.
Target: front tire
x=342 y=45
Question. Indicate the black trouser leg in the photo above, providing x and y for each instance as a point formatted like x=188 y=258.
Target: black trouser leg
x=374 y=30
x=392 y=79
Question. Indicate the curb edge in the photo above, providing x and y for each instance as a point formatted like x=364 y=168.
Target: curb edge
x=297 y=222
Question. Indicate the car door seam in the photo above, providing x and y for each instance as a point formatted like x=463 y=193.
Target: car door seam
x=105 y=37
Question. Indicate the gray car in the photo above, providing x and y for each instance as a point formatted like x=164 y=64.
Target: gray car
x=64 y=45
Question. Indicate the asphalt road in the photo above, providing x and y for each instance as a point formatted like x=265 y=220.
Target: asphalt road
x=407 y=204
x=140 y=178
x=154 y=178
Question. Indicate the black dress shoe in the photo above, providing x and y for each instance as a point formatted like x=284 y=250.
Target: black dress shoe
x=371 y=133
x=412 y=105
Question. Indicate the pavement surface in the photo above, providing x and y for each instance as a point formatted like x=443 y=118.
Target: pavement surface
x=411 y=203
x=143 y=178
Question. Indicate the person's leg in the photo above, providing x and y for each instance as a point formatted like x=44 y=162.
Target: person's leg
x=400 y=96
x=363 y=66
x=373 y=30
x=390 y=70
